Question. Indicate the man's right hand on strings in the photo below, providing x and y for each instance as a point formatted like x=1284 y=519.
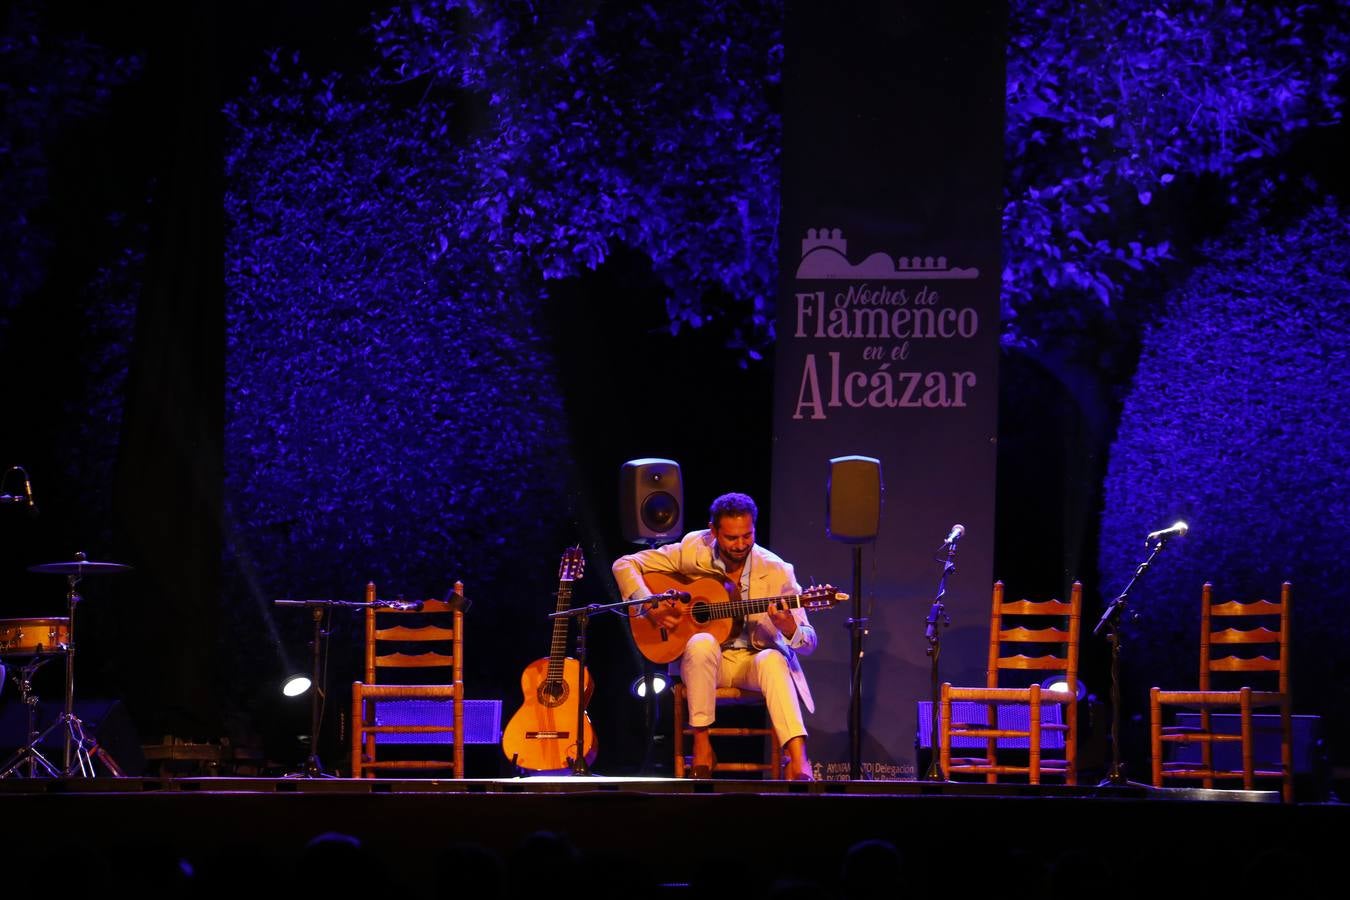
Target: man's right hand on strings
x=664 y=612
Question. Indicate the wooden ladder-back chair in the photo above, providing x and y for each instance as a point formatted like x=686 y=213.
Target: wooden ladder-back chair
x=1007 y=641
x=1259 y=615
x=437 y=633
x=774 y=761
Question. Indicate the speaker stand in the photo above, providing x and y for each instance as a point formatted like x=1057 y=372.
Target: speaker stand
x=857 y=624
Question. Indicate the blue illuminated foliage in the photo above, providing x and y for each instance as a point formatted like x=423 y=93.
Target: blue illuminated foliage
x=390 y=242
x=1236 y=424
x=1116 y=108
x=391 y=405
x=609 y=124
x=48 y=83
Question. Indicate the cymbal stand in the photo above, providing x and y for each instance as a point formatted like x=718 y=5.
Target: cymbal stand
x=73 y=599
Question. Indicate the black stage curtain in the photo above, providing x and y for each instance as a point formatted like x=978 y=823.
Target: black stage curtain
x=167 y=485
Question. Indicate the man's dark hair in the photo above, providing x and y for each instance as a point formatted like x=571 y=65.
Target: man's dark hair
x=732 y=505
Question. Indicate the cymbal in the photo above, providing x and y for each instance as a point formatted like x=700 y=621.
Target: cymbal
x=80 y=567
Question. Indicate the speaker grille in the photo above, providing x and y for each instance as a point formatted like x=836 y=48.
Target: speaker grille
x=660 y=511
x=482 y=720
x=1011 y=716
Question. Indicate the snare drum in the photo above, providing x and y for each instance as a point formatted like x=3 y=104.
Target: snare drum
x=34 y=637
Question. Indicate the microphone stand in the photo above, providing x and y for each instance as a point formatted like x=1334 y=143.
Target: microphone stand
x=1110 y=623
x=317 y=698
x=579 y=766
x=318 y=695
x=934 y=637
x=583 y=615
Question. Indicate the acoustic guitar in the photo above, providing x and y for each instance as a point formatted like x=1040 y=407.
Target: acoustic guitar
x=541 y=735
x=704 y=606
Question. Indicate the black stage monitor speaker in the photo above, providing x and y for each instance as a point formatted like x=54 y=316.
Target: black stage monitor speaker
x=651 y=500
x=853 y=499
x=1307 y=741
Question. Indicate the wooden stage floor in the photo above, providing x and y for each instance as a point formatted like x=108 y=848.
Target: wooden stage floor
x=663 y=828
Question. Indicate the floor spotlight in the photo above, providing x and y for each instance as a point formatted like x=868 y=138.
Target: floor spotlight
x=1061 y=684
x=639 y=686
x=296 y=685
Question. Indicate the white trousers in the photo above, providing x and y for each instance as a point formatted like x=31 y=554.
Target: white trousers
x=705 y=667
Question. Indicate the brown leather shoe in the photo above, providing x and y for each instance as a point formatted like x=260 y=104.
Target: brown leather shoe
x=702 y=771
x=799 y=764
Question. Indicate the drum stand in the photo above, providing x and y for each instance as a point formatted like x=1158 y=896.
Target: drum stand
x=81 y=750
x=29 y=752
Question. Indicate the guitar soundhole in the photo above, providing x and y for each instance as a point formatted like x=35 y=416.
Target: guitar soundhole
x=553 y=693
x=700 y=613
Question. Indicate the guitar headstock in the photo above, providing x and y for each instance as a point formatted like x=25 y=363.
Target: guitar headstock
x=822 y=596
x=573 y=564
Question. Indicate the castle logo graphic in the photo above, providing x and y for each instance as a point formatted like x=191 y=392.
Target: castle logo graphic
x=825 y=256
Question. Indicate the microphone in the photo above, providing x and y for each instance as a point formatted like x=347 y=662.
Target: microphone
x=1177 y=530
x=28 y=495
x=956 y=534
x=404 y=605
x=681 y=596
x=26 y=498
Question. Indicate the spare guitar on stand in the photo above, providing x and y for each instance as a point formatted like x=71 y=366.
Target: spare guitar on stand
x=541 y=736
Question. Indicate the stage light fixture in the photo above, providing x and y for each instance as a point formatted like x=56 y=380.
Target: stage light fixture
x=639 y=686
x=1060 y=683
x=296 y=685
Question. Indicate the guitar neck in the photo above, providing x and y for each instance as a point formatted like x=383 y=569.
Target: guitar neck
x=735 y=608
x=558 y=649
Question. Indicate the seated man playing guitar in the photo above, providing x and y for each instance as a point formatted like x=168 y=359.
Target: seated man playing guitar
x=761 y=656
